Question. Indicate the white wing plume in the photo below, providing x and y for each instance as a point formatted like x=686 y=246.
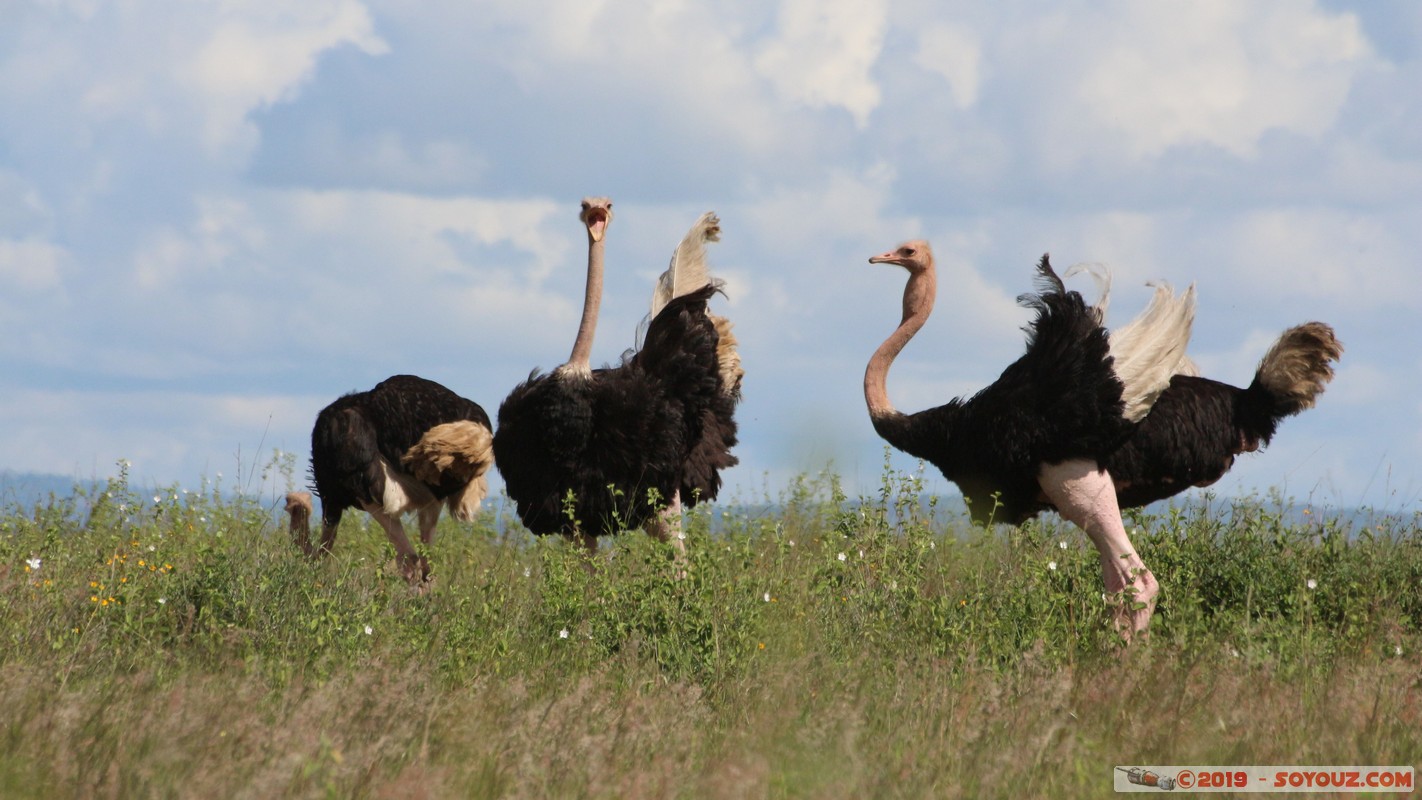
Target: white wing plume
x=688 y=270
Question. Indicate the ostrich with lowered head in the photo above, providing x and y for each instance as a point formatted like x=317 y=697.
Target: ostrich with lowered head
x=587 y=452
x=1076 y=425
x=409 y=444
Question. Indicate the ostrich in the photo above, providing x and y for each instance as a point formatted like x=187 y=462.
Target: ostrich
x=587 y=452
x=406 y=445
x=1077 y=425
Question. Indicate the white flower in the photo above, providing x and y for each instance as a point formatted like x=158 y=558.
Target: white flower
x=1234 y=652
x=152 y=548
x=792 y=542
x=1397 y=649
x=1311 y=583
x=527 y=572
x=1052 y=565
x=843 y=557
x=1062 y=544
x=33 y=563
x=861 y=553
x=933 y=545
x=157 y=499
x=162 y=601
x=563 y=634
x=681 y=535
x=767 y=597
x=369 y=630
x=202 y=518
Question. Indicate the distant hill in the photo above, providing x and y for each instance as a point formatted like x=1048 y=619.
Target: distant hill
x=26 y=489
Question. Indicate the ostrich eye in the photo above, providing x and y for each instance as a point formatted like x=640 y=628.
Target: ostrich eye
x=907 y=251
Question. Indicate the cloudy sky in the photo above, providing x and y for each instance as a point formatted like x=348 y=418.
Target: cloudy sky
x=216 y=216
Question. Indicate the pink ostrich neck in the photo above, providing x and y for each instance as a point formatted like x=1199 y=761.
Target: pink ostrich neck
x=918 y=304
x=579 y=361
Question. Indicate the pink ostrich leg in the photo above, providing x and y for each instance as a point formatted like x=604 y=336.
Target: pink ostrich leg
x=1084 y=494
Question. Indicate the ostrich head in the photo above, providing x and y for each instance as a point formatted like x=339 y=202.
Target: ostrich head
x=596 y=214
x=914 y=256
x=298 y=503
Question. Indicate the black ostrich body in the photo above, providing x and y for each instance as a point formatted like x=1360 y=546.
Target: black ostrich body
x=621 y=441
x=356 y=432
x=1086 y=424
x=1060 y=400
x=406 y=445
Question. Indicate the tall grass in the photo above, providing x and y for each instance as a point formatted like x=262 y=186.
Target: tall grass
x=169 y=643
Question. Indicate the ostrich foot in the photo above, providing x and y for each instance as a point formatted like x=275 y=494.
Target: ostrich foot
x=1133 y=594
x=416 y=569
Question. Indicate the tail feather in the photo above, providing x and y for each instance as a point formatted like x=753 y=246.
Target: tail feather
x=688 y=270
x=728 y=357
x=1296 y=369
x=462 y=450
x=464 y=504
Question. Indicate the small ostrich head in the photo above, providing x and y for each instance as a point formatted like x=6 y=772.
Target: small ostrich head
x=914 y=256
x=298 y=502
x=596 y=214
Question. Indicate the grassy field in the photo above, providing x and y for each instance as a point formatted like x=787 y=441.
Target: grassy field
x=170 y=643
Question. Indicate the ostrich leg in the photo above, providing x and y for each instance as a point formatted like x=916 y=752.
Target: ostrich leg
x=429 y=518
x=666 y=527
x=1084 y=494
x=415 y=567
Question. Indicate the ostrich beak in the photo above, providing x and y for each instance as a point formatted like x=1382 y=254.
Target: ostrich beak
x=885 y=258
x=597 y=224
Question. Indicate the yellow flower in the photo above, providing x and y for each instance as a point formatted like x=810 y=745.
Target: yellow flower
x=762 y=645
x=93 y=599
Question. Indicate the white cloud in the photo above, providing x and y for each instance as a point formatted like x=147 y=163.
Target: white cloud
x=257 y=54
x=192 y=71
x=952 y=52
x=823 y=53
x=1349 y=259
x=1145 y=78
x=29 y=266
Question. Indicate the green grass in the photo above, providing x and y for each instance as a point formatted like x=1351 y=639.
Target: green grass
x=175 y=644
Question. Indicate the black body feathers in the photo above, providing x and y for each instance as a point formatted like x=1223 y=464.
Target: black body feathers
x=354 y=434
x=620 y=441
x=1060 y=400
x=1197 y=427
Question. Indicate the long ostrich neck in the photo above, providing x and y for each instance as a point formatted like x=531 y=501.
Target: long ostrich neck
x=918 y=304
x=592 y=301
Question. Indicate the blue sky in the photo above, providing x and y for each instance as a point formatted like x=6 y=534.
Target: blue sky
x=216 y=217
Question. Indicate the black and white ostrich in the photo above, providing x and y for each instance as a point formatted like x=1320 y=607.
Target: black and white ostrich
x=1083 y=425
x=409 y=444
x=587 y=452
